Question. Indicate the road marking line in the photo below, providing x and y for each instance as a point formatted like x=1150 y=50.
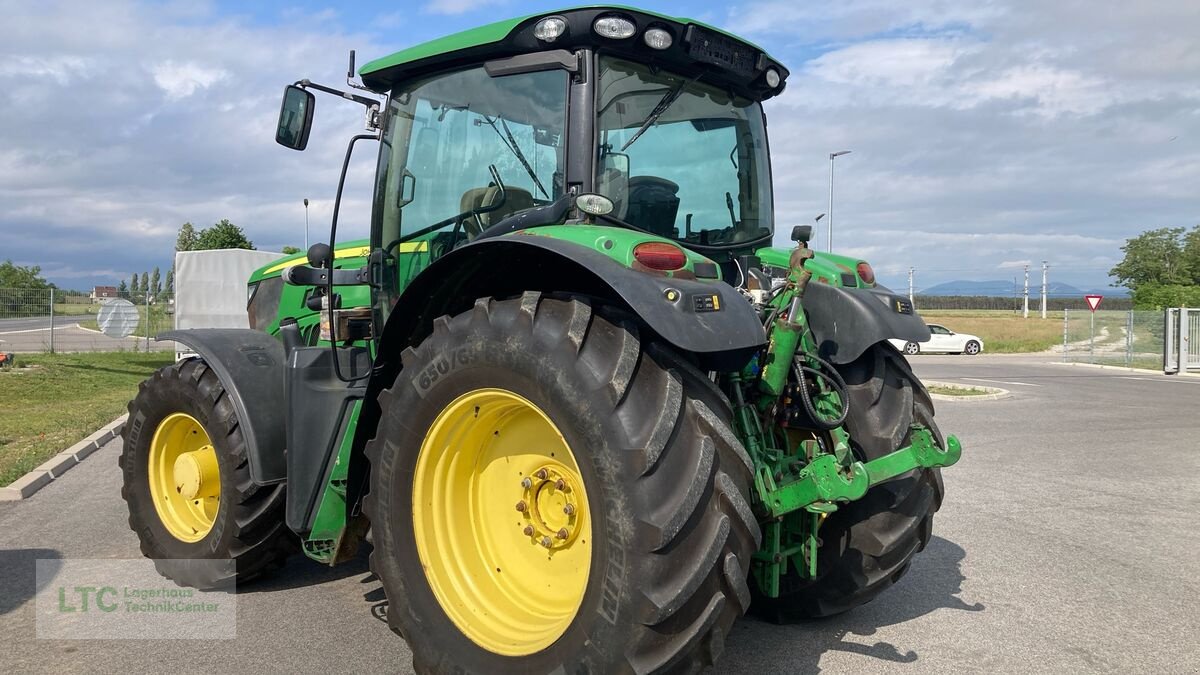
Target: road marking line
x=980 y=379
x=31 y=330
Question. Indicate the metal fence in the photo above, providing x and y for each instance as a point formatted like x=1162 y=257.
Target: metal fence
x=1119 y=338
x=50 y=320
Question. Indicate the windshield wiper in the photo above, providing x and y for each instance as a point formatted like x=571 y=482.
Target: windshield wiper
x=511 y=144
x=665 y=102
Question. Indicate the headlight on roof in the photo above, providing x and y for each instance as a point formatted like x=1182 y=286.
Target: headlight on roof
x=614 y=26
x=657 y=38
x=550 y=28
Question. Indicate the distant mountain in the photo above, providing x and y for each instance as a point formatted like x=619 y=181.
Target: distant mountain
x=1054 y=289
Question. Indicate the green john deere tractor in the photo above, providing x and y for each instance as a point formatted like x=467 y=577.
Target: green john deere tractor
x=586 y=414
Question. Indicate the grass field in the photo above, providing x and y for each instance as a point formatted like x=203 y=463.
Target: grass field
x=50 y=402
x=1003 y=332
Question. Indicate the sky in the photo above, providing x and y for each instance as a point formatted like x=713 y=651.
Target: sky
x=985 y=135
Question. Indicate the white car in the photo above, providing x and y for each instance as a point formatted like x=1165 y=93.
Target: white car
x=943 y=340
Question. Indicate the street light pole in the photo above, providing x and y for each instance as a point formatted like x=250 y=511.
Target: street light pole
x=306 y=223
x=829 y=225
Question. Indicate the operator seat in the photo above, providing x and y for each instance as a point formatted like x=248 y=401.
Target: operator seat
x=515 y=199
x=653 y=205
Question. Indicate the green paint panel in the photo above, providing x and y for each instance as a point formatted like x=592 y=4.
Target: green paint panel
x=615 y=242
x=826 y=267
x=329 y=526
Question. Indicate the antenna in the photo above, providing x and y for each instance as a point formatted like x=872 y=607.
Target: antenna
x=350 y=75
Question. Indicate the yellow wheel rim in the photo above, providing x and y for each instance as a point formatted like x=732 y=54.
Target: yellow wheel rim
x=185 y=481
x=501 y=522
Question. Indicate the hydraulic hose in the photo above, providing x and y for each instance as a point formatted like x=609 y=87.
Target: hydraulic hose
x=834 y=379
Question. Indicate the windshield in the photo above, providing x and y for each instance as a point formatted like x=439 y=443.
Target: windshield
x=463 y=150
x=682 y=159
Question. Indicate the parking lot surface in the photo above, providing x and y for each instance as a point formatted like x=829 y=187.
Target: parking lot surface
x=1066 y=544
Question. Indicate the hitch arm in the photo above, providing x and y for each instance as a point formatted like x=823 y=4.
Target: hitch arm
x=826 y=480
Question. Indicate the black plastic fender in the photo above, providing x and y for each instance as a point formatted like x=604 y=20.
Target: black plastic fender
x=709 y=320
x=847 y=321
x=250 y=366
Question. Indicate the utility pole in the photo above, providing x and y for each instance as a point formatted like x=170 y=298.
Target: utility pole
x=306 y=224
x=1044 y=289
x=910 y=288
x=1026 y=311
x=829 y=225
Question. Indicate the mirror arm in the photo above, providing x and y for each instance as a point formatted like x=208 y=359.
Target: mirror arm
x=369 y=102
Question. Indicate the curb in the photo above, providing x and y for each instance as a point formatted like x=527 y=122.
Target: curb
x=1127 y=369
x=994 y=393
x=25 y=486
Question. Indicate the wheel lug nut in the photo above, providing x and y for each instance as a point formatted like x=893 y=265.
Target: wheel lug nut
x=559 y=484
x=526 y=483
x=563 y=534
x=569 y=509
x=541 y=474
x=528 y=530
x=546 y=542
x=521 y=506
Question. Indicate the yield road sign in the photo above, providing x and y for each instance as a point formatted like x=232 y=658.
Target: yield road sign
x=1093 y=301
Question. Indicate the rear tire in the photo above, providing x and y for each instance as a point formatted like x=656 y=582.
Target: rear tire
x=246 y=535
x=869 y=544
x=667 y=486
x=912 y=348
x=972 y=348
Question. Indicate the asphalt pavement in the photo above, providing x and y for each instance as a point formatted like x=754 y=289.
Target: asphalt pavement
x=32 y=334
x=1066 y=544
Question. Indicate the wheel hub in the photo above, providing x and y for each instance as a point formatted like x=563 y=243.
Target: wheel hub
x=193 y=471
x=552 y=515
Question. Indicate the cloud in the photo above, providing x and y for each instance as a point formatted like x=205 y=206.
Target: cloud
x=994 y=132
x=458 y=6
x=135 y=118
x=180 y=80
x=983 y=133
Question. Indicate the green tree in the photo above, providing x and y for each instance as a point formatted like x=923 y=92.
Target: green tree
x=134 y=288
x=122 y=290
x=289 y=250
x=1162 y=296
x=187 y=239
x=222 y=235
x=17 y=276
x=1191 y=253
x=1154 y=257
x=170 y=286
x=155 y=284
x=145 y=285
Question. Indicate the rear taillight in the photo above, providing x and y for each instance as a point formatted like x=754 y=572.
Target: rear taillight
x=660 y=256
x=866 y=273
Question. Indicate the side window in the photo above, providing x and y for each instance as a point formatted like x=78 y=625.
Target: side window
x=449 y=138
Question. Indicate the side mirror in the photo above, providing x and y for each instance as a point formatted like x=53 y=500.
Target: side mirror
x=319 y=255
x=295 y=118
x=802 y=233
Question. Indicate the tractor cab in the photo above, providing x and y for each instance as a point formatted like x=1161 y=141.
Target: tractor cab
x=659 y=117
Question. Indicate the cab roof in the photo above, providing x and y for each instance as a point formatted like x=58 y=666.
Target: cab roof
x=515 y=36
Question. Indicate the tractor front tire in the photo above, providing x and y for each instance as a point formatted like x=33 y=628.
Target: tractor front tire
x=868 y=544
x=187 y=483
x=551 y=491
